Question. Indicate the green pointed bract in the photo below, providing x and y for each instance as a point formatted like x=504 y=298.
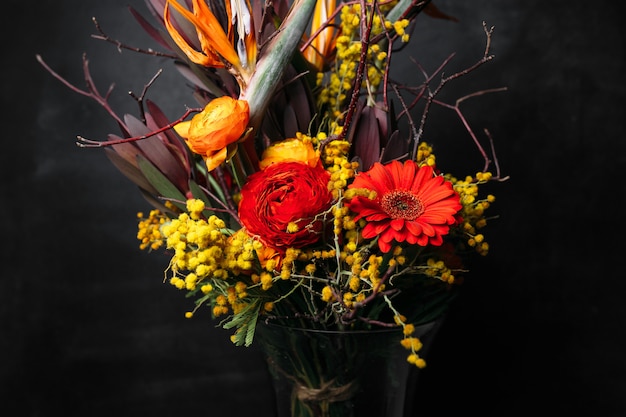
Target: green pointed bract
x=160 y=182
x=399 y=9
x=275 y=58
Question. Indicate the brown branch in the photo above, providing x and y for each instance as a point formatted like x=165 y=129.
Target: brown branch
x=430 y=99
x=466 y=124
x=350 y=315
x=144 y=91
x=497 y=176
x=91 y=91
x=366 y=29
x=104 y=37
x=88 y=143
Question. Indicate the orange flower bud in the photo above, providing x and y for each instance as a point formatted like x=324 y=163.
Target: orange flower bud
x=222 y=122
x=290 y=150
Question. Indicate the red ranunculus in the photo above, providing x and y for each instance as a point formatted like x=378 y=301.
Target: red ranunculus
x=284 y=204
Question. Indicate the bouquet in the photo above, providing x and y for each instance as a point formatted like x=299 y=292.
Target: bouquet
x=301 y=190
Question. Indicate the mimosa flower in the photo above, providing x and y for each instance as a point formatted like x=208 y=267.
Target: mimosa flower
x=322 y=44
x=283 y=205
x=219 y=49
x=222 y=122
x=411 y=204
x=293 y=150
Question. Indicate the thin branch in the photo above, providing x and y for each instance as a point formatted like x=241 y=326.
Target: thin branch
x=104 y=37
x=91 y=91
x=144 y=91
x=466 y=124
x=495 y=158
x=89 y=143
x=430 y=99
x=366 y=29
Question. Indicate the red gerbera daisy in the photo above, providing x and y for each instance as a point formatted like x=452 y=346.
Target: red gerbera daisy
x=411 y=204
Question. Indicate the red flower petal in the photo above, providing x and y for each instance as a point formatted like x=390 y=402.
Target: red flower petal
x=412 y=204
x=271 y=204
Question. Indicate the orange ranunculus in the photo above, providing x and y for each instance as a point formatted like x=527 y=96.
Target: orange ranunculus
x=222 y=122
x=267 y=255
x=288 y=150
x=283 y=205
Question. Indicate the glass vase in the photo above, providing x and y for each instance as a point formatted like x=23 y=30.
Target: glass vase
x=319 y=373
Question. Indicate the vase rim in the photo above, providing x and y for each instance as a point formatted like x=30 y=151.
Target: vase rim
x=426 y=326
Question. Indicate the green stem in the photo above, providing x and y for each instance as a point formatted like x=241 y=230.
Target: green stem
x=274 y=61
x=402 y=7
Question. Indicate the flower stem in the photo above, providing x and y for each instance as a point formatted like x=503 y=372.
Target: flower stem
x=274 y=61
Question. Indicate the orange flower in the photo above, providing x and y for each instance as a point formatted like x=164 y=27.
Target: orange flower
x=412 y=204
x=209 y=133
x=218 y=48
x=289 y=150
x=267 y=255
x=322 y=46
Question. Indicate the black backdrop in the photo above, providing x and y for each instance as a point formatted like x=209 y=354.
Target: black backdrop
x=88 y=329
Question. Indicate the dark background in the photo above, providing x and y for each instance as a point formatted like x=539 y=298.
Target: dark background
x=88 y=328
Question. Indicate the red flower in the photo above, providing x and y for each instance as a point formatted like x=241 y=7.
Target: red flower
x=411 y=204
x=283 y=204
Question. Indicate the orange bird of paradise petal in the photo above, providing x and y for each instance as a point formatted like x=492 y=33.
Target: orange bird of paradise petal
x=217 y=48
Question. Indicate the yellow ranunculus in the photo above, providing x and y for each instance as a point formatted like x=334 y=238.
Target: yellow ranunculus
x=290 y=150
x=222 y=122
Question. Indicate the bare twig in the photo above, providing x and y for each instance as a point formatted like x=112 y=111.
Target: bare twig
x=144 y=91
x=366 y=29
x=466 y=124
x=88 y=143
x=431 y=98
x=104 y=37
x=91 y=91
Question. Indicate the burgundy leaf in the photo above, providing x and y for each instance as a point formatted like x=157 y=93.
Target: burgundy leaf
x=154 y=33
x=158 y=154
x=129 y=170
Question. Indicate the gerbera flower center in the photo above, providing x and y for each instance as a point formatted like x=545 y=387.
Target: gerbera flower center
x=402 y=204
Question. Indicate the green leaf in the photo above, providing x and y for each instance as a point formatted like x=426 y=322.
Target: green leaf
x=271 y=66
x=245 y=322
x=161 y=183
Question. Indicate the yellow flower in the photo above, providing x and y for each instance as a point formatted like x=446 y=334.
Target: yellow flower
x=209 y=133
x=290 y=150
x=218 y=48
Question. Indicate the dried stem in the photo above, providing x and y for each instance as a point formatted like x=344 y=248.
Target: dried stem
x=104 y=37
x=351 y=314
x=466 y=124
x=430 y=98
x=88 y=143
x=144 y=91
x=366 y=29
x=92 y=92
